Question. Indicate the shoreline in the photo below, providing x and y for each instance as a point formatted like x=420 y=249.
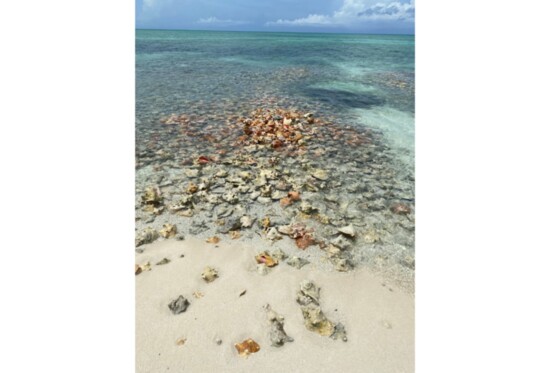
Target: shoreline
x=378 y=316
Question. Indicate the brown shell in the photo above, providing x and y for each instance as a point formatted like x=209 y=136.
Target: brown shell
x=247 y=347
x=267 y=259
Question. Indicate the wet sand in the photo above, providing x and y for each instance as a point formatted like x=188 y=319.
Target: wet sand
x=378 y=316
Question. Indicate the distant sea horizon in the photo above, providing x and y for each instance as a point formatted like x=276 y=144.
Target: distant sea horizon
x=278 y=32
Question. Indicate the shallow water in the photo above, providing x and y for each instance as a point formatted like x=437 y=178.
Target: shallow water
x=362 y=82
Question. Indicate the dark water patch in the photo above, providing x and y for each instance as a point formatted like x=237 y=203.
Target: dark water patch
x=344 y=99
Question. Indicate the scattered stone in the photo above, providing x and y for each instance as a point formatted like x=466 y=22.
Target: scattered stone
x=163 y=261
x=198 y=294
x=264 y=200
x=341 y=242
x=168 y=230
x=408 y=262
x=309 y=292
x=284 y=202
x=279 y=254
x=186 y=213
x=242 y=293
x=273 y=235
x=178 y=305
x=320 y=174
x=224 y=212
x=209 y=274
x=262 y=269
x=232 y=224
x=306 y=207
x=401 y=209
x=180 y=237
x=294 y=196
x=285 y=229
x=305 y=240
x=142 y=267
x=277 y=195
x=371 y=236
x=213 y=240
x=230 y=197
x=181 y=341
x=148 y=235
x=152 y=196
x=247 y=347
x=266 y=259
x=221 y=173
x=235 y=235
x=342 y=264
x=297 y=262
x=322 y=218
x=218 y=341
x=339 y=333
x=192 y=188
x=277 y=334
x=246 y=221
x=348 y=230
x=316 y=321
x=191 y=172
x=265 y=223
x=308 y=297
x=332 y=251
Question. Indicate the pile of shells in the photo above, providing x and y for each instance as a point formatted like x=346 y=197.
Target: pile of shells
x=219 y=173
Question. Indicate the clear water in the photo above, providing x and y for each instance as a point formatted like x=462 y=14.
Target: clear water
x=362 y=81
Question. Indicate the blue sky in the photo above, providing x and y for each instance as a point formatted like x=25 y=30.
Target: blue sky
x=357 y=16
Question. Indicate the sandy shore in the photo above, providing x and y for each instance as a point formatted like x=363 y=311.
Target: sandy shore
x=378 y=317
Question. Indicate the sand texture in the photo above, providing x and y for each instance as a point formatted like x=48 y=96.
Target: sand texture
x=378 y=317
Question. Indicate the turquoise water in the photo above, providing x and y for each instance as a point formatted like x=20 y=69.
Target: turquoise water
x=363 y=82
x=367 y=80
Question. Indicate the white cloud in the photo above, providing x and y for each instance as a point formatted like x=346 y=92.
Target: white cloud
x=216 y=21
x=312 y=19
x=356 y=12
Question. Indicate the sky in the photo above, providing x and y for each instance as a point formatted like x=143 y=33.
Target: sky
x=351 y=16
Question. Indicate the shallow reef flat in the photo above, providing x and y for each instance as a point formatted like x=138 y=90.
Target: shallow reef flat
x=280 y=178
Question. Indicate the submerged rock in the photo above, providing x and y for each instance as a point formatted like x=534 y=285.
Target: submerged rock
x=273 y=235
x=348 y=230
x=401 y=209
x=230 y=225
x=341 y=242
x=168 y=230
x=246 y=221
x=342 y=264
x=320 y=174
x=151 y=196
x=148 y=235
x=178 y=305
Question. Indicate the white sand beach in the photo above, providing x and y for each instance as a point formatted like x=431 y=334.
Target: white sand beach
x=378 y=316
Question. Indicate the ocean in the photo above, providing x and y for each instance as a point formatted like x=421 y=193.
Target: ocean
x=361 y=84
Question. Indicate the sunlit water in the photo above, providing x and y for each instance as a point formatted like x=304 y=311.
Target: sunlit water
x=363 y=81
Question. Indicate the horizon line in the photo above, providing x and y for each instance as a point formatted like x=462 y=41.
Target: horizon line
x=271 y=32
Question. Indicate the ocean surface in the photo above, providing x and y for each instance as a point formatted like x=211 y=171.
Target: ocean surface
x=363 y=82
